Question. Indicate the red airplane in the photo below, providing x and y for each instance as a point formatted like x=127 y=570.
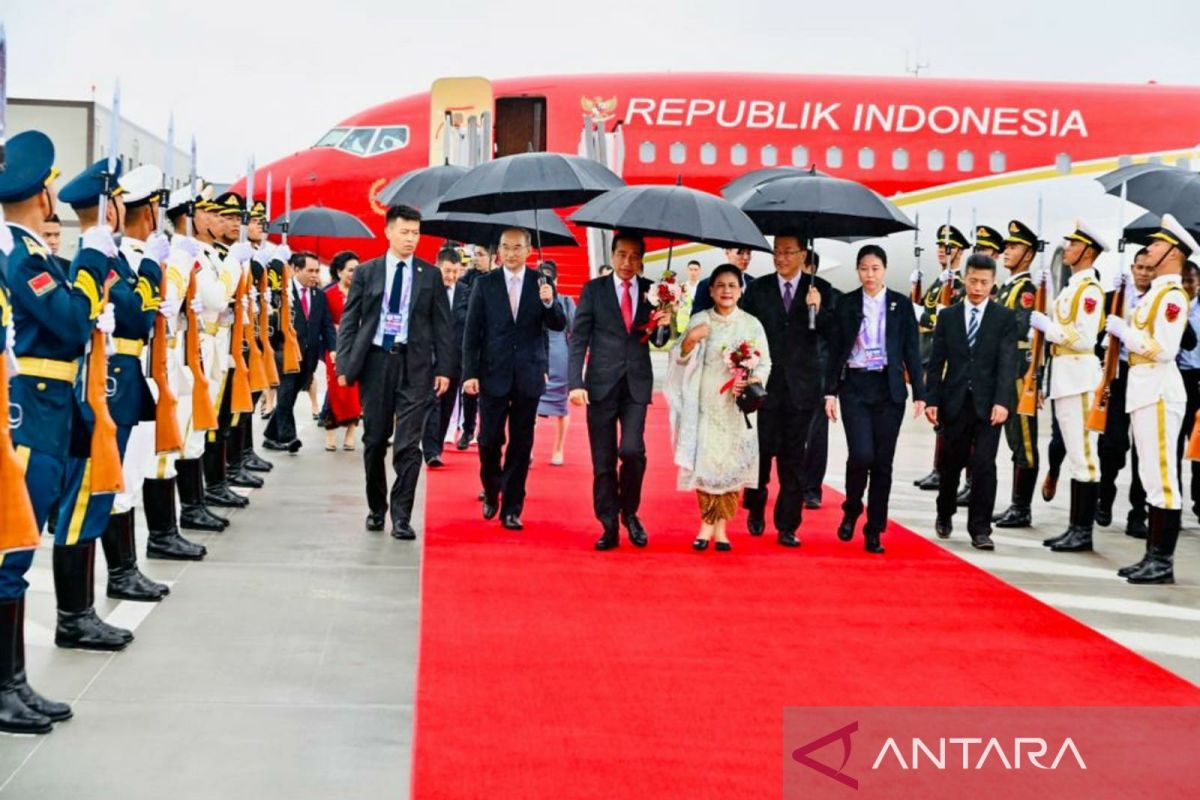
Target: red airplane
x=969 y=151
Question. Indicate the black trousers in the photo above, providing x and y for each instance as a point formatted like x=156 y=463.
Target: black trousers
x=969 y=441
x=782 y=439
x=470 y=408
x=616 y=433
x=816 y=454
x=393 y=410
x=1022 y=435
x=872 y=420
x=1115 y=443
x=282 y=427
x=503 y=471
x=1056 y=451
x=437 y=420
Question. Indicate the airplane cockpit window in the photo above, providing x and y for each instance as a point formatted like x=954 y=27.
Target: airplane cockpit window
x=997 y=162
x=866 y=158
x=899 y=159
x=799 y=156
x=737 y=155
x=390 y=139
x=332 y=138
x=936 y=161
x=708 y=153
x=677 y=152
x=769 y=155
x=358 y=142
x=646 y=152
x=833 y=157
x=966 y=161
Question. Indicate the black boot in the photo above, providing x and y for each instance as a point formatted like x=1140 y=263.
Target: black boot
x=1019 y=514
x=1083 y=516
x=164 y=540
x=125 y=580
x=1108 y=493
x=216 y=491
x=193 y=514
x=78 y=625
x=1135 y=523
x=1159 y=567
x=235 y=473
x=250 y=459
x=964 y=495
x=15 y=715
x=56 y=711
x=1076 y=502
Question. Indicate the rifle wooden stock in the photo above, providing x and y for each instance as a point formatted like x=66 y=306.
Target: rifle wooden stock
x=264 y=331
x=1193 y=446
x=291 y=345
x=204 y=416
x=106 y=474
x=240 y=401
x=1098 y=416
x=18 y=525
x=258 y=371
x=167 y=436
x=915 y=294
x=947 y=295
x=1028 y=403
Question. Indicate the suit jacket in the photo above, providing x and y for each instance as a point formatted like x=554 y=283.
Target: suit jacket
x=702 y=300
x=796 y=367
x=901 y=341
x=315 y=333
x=508 y=356
x=430 y=331
x=611 y=352
x=988 y=372
x=458 y=321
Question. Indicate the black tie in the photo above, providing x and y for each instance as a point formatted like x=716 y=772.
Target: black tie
x=394 y=300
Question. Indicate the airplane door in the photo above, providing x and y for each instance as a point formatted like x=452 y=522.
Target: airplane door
x=520 y=125
x=460 y=121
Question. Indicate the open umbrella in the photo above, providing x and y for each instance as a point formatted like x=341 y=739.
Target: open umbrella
x=1140 y=229
x=420 y=188
x=529 y=181
x=322 y=222
x=485 y=229
x=1158 y=188
x=819 y=206
x=756 y=177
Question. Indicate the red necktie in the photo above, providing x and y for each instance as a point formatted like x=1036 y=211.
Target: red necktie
x=304 y=301
x=627 y=306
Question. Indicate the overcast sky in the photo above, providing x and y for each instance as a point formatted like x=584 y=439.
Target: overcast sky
x=271 y=77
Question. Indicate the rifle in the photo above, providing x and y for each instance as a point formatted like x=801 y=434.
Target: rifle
x=204 y=416
x=1028 y=404
x=18 y=524
x=915 y=294
x=240 y=401
x=1193 y=446
x=258 y=370
x=947 y=295
x=107 y=476
x=264 y=331
x=167 y=436
x=291 y=345
x=1098 y=417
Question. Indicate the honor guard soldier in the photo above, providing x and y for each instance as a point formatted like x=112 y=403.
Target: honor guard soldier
x=59 y=320
x=1156 y=398
x=951 y=243
x=1019 y=293
x=1074 y=323
x=988 y=241
x=260 y=261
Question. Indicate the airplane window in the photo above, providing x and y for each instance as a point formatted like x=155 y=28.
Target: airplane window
x=866 y=158
x=332 y=138
x=646 y=152
x=899 y=158
x=708 y=153
x=936 y=161
x=769 y=155
x=799 y=156
x=358 y=142
x=390 y=139
x=997 y=162
x=966 y=161
x=737 y=155
x=1062 y=163
x=1124 y=161
x=678 y=152
x=833 y=157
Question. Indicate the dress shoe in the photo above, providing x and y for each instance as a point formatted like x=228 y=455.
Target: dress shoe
x=982 y=541
x=403 y=530
x=463 y=442
x=1049 y=487
x=435 y=462
x=943 y=528
x=637 y=532
x=374 y=522
x=929 y=483
x=871 y=542
x=490 y=508
x=610 y=539
x=756 y=524
x=512 y=522
x=787 y=539
x=845 y=531
x=271 y=444
x=812 y=500
x=1014 y=516
x=723 y=547
x=294 y=446
x=964 y=496
x=700 y=544
x=1104 y=515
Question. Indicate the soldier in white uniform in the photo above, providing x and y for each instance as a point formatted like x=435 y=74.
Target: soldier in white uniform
x=1155 y=397
x=1071 y=328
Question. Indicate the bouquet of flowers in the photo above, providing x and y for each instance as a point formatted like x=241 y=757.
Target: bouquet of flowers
x=740 y=359
x=663 y=295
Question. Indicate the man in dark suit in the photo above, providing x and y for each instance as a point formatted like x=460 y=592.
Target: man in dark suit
x=781 y=303
x=971 y=390
x=617 y=386
x=396 y=340
x=505 y=361
x=315 y=333
x=873 y=344
x=437 y=420
x=740 y=258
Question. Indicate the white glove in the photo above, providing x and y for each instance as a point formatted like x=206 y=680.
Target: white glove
x=245 y=303
x=947 y=276
x=1029 y=333
x=157 y=248
x=268 y=296
x=197 y=306
x=6 y=240
x=263 y=255
x=1039 y=321
x=226 y=317
x=99 y=237
x=254 y=295
x=170 y=307
x=1116 y=327
x=915 y=278
x=919 y=310
x=107 y=321
x=10 y=339
x=283 y=253
x=189 y=246
x=240 y=252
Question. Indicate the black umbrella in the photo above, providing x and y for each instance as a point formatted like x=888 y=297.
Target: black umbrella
x=420 y=188
x=1158 y=188
x=322 y=222
x=819 y=206
x=758 y=177
x=529 y=181
x=485 y=229
x=1140 y=230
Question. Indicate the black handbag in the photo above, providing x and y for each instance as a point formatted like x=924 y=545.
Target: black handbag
x=751 y=400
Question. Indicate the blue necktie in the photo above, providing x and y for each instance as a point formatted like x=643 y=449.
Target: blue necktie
x=973 y=327
x=394 y=301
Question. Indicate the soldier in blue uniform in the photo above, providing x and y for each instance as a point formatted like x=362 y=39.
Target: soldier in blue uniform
x=53 y=319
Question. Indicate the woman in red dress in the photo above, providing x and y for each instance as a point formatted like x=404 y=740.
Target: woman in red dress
x=342 y=408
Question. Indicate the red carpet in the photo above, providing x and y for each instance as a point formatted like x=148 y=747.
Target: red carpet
x=548 y=670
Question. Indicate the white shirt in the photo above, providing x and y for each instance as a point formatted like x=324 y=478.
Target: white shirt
x=303 y=297
x=619 y=286
x=872 y=332
x=389 y=276
x=967 y=306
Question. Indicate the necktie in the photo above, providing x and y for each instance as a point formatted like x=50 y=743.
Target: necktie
x=304 y=301
x=627 y=305
x=394 y=300
x=787 y=296
x=973 y=327
x=514 y=294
